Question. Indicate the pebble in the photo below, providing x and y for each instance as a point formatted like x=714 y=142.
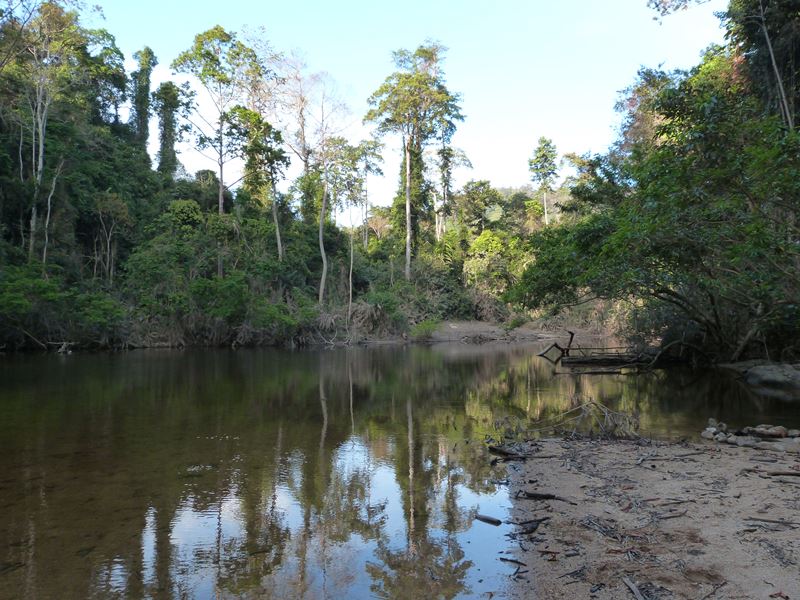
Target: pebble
x=746 y=441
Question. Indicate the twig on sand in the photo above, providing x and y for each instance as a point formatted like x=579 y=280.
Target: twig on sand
x=775 y=521
x=715 y=590
x=632 y=587
x=513 y=561
x=543 y=496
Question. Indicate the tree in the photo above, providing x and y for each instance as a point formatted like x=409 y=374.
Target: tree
x=448 y=159
x=543 y=169
x=264 y=159
x=140 y=83
x=15 y=19
x=172 y=104
x=697 y=230
x=343 y=185
x=475 y=199
x=221 y=63
x=51 y=45
x=414 y=103
x=369 y=159
x=752 y=25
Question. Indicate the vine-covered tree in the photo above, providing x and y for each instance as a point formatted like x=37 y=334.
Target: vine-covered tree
x=140 y=84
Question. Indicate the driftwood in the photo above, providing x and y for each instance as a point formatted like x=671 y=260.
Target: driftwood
x=489 y=520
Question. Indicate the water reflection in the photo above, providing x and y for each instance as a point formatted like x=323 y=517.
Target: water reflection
x=347 y=473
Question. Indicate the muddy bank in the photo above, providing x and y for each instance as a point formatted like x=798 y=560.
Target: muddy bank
x=654 y=520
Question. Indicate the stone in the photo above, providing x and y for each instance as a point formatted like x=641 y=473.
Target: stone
x=708 y=434
x=775 y=375
x=746 y=441
x=712 y=422
x=793 y=433
x=720 y=437
x=767 y=446
x=722 y=426
x=777 y=432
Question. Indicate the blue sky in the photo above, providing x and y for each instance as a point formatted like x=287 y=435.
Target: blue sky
x=524 y=68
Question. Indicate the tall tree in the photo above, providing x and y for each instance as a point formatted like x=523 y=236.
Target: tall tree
x=543 y=169
x=52 y=44
x=171 y=103
x=15 y=19
x=140 y=84
x=447 y=160
x=414 y=103
x=369 y=159
x=221 y=63
x=265 y=160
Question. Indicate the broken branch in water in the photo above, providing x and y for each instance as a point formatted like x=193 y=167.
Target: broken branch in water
x=489 y=520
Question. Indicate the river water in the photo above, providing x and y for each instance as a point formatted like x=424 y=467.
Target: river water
x=344 y=473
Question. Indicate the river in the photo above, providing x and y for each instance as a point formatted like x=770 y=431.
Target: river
x=342 y=473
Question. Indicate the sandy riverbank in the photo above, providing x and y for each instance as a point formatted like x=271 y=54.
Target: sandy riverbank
x=658 y=520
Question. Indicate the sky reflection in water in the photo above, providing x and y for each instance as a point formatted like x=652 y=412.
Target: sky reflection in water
x=264 y=473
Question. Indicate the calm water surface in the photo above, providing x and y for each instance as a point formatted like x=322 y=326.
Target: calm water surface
x=343 y=473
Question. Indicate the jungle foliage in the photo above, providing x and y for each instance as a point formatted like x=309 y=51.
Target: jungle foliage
x=691 y=219
x=688 y=224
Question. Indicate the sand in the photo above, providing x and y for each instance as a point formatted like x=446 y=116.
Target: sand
x=641 y=519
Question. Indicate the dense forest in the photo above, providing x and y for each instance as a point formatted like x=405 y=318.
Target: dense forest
x=685 y=232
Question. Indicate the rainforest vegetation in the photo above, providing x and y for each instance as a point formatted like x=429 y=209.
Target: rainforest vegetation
x=684 y=232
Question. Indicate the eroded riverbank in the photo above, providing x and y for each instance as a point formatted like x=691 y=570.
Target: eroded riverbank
x=651 y=520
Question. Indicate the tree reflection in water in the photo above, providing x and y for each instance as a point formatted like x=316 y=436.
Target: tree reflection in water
x=343 y=473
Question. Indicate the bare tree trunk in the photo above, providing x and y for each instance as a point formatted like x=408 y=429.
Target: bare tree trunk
x=221 y=186
x=322 y=240
x=32 y=230
x=546 y=218
x=789 y=117
x=21 y=164
x=408 y=209
x=350 y=296
x=39 y=131
x=366 y=213
x=277 y=223
x=220 y=200
x=49 y=206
